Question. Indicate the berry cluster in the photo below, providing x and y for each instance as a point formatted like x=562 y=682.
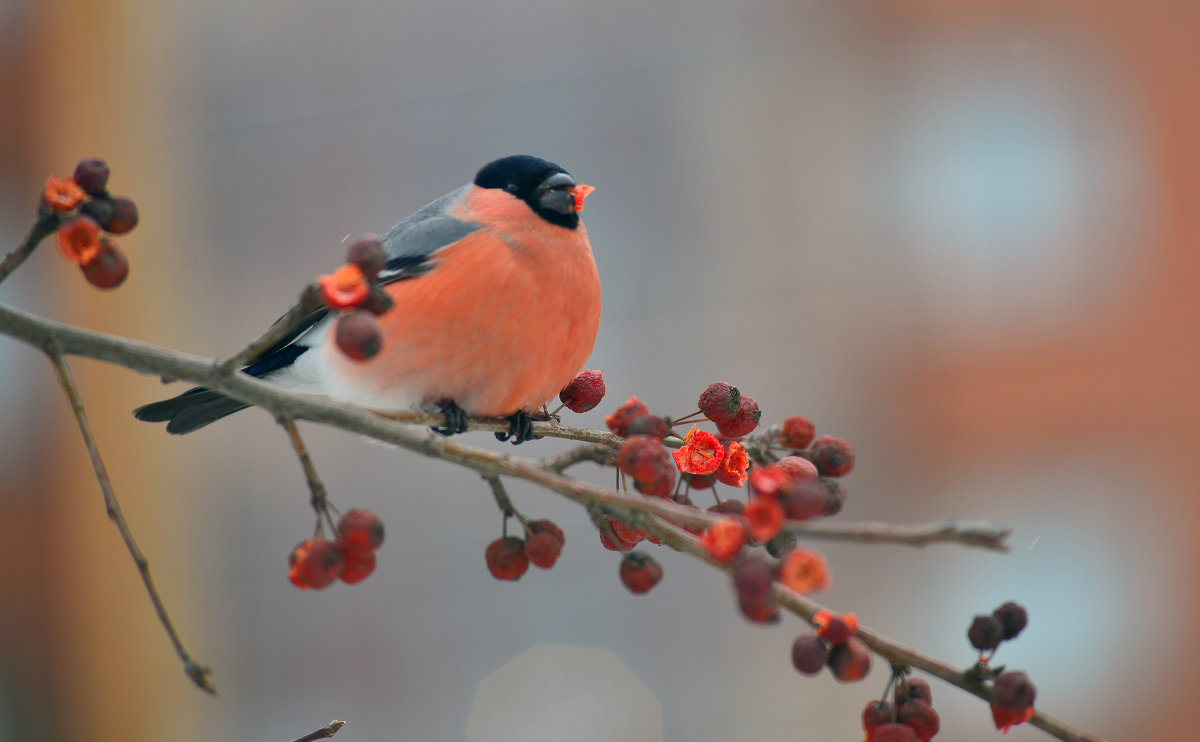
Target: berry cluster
x=1012 y=692
x=910 y=719
x=1004 y=623
x=317 y=562
x=509 y=557
x=834 y=644
x=83 y=209
x=355 y=291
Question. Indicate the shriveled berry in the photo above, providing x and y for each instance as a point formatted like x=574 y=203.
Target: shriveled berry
x=91 y=174
x=109 y=268
x=834 y=457
x=986 y=633
x=543 y=549
x=1013 y=617
x=732 y=470
x=360 y=530
x=640 y=572
x=584 y=392
x=314 y=563
x=618 y=422
x=744 y=422
x=782 y=544
x=797 y=433
x=894 y=732
x=357 y=565
x=358 y=334
x=124 y=218
x=506 y=558
x=663 y=486
x=809 y=653
x=911 y=688
x=803 y=500
x=644 y=458
x=921 y=717
x=753 y=578
x=835 y=496
x=796 y=469
x=1013 y=691
x=764 y=611
x=368 y=254
x=378 y=300
x=720 y=402
x=850 y=660
x=876 y=714
x=651 y=425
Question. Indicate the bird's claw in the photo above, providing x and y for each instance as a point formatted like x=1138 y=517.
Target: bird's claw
x=520 y=428
x=456 y=418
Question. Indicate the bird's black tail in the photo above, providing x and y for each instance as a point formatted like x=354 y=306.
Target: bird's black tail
x=190 y=411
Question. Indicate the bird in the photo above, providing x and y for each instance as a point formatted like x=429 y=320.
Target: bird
x=496 y=308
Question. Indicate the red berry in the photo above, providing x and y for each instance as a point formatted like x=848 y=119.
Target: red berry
x=619 y=421
x=765 y=480
x=314 y=563
x=358 y=334
x=640 y=572
x=547 y=526
x=644 y=458
x=651 y=425
x=797 y=433
x=584 y=392
x=876 y=714
x=91 y=175
x=893 y=733
x=368 y=254
x=835 y=628
x=796 y=469
x=506 y=558
x=543 y=549
x=759 y=611
x=753 y=579
x=723 y=539
x=1013 y=617
x=109 y=268
x=834 y=457
x=720 y=402
x=745 y=421
x=627 y=533
x=663 y=486
x=809 y=653
x=764 y=517
x=921 y=717
x=913 y=689
x=124 y=218
x=698 y=481
x=850 y=660
x=986 y=633
x=803 y=500
x=360 y=530
x=1013 y=691
x=357 y=565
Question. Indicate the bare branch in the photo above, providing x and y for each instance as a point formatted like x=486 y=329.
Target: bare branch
x=968 y=533
x=195 y=670
x=44 y=226
x=324 y=732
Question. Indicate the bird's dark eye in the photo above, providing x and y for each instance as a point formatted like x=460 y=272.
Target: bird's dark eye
x=512 y=188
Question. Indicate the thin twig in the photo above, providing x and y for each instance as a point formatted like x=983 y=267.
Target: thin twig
x=195 y=670
x=324 y=732
x=503 y=501
x=310 y=301
x=598 y=453
x=44 y=226
x=320 y=496
x=967 y=533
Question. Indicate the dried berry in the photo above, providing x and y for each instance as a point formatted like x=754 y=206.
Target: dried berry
x=543 y=549
x=759 y=611
x=618 y=422
x=124 y=218
x=357 y=565
x=1013 y=691
x=368 y=254
x=753 y=578
x=986 y=633
x=640 y=572
x=913 y=689
x=664 y=486
x=360 y=530
x=79 y=240
x=651 y=425
x=765 y=480
x=723 y=539
x=744 y=422
x=109 y=268
x=732 y=470
x=358 y=334
x=850 y=660
x=893 y=732
x=644 y=458
x=91 y=175
x=701 y=453
x=547 y=526
x=875 y=714
x=804 y=500
x=797 y=433
x=809 y=653
x=796 y=469
x=834 y=457
x=834 y=628
x=921 y=717
x=835 y=496
x=1013 y=617
x=506 y=558
x=720 y=402
x=314 y=563
x=584 y=392
x=627 y=533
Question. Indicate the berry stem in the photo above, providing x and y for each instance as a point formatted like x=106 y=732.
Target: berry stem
x=195 y=670
x=502 y=499
x=320 y=497
x=696 y=416
x=47 y=221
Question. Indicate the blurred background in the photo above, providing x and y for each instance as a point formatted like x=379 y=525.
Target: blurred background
x=961 y=234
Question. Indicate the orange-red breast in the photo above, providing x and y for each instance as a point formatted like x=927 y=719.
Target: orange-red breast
x=497 y=304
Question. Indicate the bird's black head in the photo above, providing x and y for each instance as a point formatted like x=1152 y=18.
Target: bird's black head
x=546 y=187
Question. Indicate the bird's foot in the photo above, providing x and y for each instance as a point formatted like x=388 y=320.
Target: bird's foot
x=456 y=418
x=520 y=428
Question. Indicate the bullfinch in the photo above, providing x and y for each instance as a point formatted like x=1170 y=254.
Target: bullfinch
x=497 y=304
